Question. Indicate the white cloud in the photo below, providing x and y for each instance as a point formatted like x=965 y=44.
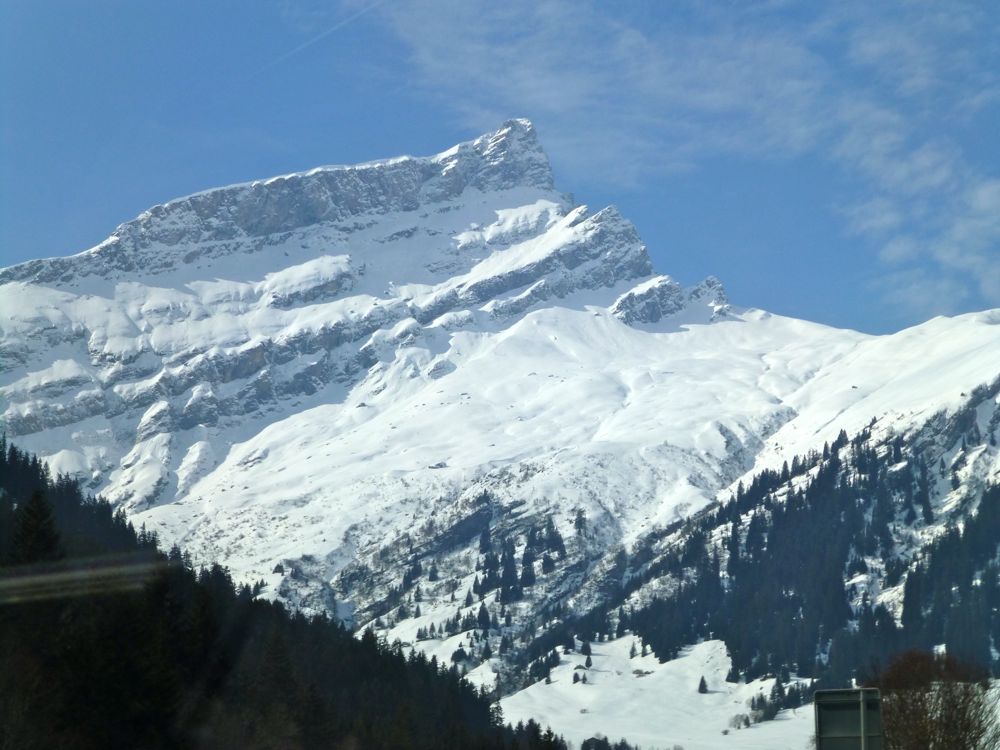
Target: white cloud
x=919 y=292
x=971 y=240
x=622 y=95
x=614 y=101
x=876 y=216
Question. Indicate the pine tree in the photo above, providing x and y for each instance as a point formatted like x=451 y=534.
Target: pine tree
x=702 y=685
x=35 y=536
x=733 y=547
x=548 y=564
x=622 y=625
x=485 y=545
x=528 y=571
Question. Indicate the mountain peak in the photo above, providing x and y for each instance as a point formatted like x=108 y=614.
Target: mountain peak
x=512 y=156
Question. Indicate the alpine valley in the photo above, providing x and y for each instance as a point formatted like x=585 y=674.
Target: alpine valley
x=436 y=397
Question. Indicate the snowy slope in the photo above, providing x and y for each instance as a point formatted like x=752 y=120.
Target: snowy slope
x=903 y=380
x=657 y=705
x=589 y=413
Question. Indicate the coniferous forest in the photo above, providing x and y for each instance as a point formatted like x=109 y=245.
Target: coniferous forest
x=781 y=571
x=766 y=571
x=107 y=642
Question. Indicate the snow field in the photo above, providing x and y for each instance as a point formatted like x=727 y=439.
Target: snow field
x=656 y=706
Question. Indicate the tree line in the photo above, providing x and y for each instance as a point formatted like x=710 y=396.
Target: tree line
x=107 y=641
x=770 y=571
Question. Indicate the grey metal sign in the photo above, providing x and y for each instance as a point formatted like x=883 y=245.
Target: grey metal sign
x=848 y=719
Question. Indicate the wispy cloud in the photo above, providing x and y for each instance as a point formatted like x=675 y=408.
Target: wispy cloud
x=882 y=92
x=617 y=102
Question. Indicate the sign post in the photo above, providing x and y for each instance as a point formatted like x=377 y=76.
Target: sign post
x=848 y=719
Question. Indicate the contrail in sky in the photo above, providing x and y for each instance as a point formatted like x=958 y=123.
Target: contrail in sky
x=310 y=42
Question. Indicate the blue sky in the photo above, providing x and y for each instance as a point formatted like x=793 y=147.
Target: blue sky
x=831 y=161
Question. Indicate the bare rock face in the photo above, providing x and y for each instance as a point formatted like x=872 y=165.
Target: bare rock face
x=241 y=217
x=662 y=297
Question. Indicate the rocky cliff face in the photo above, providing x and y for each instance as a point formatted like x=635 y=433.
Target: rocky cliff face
x=251 y=216
x=661 y=297
x=326 y=378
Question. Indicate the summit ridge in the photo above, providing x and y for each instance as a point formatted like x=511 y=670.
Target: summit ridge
x=253 y=213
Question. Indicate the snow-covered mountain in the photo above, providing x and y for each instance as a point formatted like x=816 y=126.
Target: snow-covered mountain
x=326 y=378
